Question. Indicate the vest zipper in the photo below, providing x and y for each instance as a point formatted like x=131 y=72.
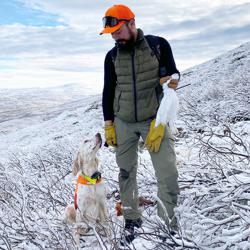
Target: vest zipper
x=134 y=83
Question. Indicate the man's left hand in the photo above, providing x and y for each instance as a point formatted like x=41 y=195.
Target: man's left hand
x=173 y=83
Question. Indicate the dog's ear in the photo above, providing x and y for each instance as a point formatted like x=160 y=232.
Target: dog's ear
x=77 y=163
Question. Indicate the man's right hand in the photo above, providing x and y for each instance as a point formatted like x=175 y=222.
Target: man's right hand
x=155 y=136
x=110 y=134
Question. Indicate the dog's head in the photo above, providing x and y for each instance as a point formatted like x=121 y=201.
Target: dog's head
x=86 y=161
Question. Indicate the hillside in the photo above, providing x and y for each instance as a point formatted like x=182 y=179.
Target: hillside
x=212 y=149
x=219 y=88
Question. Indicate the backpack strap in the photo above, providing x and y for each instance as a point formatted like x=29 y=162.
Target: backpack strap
x=113 y=54
x=154 y=44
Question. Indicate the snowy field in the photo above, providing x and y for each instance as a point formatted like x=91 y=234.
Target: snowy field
x=41 y=130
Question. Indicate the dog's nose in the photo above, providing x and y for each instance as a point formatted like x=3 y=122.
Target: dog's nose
x=98 y=139
x=98 y=136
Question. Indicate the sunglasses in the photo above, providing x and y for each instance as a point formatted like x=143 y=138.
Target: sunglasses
x=110 y=21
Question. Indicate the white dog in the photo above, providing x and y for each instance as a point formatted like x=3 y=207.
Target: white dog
x=90 y=207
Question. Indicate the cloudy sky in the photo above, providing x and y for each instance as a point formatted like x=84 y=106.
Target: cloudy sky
x=55 y=42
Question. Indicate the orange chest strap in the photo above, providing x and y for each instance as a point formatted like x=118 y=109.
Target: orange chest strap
x=84 y=181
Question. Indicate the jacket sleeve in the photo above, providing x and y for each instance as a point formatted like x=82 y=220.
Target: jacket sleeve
x=108 y=93
x=167 y=58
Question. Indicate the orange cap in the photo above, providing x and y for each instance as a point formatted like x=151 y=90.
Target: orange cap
x=118 y=11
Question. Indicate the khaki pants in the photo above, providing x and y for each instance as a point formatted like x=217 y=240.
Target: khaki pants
x=164 y=163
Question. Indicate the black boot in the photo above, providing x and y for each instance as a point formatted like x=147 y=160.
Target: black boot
x=129 y=230
x=133 y=223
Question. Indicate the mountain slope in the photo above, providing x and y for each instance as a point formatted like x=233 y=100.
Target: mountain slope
x=220 y=88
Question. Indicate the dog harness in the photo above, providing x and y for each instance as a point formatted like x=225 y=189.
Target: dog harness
x=85 y=180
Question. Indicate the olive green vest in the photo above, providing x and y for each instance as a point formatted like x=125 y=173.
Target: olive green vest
x=136 y=97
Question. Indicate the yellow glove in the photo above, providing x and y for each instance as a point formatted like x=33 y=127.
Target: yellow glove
x=110 y=135
x=155 y=136
x=172 y=84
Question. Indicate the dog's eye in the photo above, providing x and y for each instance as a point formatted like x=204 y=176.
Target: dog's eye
x=86 y=141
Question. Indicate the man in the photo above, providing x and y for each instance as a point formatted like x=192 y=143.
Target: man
x=131 y=97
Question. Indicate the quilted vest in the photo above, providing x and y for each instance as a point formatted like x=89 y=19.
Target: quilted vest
x=136 y=94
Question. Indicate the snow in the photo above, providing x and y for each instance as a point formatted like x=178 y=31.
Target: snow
x=41 y=130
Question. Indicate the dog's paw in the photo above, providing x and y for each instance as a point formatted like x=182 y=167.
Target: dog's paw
x=69 y=214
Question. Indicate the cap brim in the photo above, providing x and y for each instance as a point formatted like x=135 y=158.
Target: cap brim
x=108 y=30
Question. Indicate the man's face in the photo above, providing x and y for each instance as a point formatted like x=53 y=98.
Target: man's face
x=123 y=36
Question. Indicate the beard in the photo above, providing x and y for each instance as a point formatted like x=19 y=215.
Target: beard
x=126 y=44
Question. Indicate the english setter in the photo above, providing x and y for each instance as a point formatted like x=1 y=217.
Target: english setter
x=90 y=208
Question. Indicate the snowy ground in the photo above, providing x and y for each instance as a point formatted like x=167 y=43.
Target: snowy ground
x=39 y=141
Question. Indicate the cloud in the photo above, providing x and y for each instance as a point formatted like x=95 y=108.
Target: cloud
x=197 y=40
x=18 y=39
x=48 y=56
x=73 y=51
x=15 y=11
